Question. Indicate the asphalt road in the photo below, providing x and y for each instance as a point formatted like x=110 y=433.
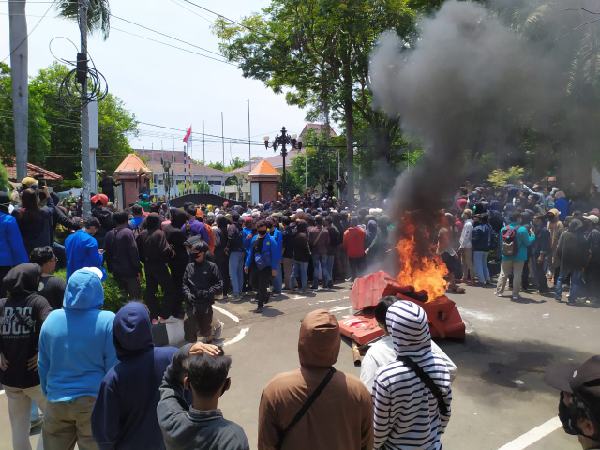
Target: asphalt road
x=499 y=394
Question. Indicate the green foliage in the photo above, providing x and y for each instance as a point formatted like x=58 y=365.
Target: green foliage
x=500 y=178
x=203 y=187
x=3 y=178
x=317 y=52
x=114 y=299
x=39 y=129
x=54 y=130
x=235 y=163
x=98 y=14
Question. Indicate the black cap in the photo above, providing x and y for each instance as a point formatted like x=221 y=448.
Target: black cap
x=573 y=377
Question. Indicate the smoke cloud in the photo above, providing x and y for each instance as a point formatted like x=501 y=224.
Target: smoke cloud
x=470 y=83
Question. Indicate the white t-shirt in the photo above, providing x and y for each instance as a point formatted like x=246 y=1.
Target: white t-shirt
x=466 y=237
x=382 y=353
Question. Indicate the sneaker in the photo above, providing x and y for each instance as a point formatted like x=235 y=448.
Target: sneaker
x=36 y=422
x=499 y=294
x=236 y=299
x=516 y=298
x=258 y=310
x=253 y=300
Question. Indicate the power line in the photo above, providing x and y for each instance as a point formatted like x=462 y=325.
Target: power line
x=173 y=46
x=30 y=33
x=165 y=35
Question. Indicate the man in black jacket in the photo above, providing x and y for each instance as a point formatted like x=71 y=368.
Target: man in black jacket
x=122 y=257
x=156 y=253
x=201 y=282
x=21 y=317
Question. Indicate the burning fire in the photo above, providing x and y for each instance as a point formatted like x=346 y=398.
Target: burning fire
x=424 y=272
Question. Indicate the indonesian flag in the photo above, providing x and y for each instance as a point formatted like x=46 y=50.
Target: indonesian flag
x=187 y=134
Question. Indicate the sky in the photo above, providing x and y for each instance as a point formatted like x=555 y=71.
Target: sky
x=165 y=86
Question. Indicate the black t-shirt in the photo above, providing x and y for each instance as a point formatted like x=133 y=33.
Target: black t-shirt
x=53 y=290
x=20 y=323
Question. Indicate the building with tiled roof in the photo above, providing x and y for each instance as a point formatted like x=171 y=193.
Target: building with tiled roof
x=32 y=171
x=180 y=172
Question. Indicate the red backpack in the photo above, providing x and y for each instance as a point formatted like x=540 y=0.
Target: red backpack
x=509 y=241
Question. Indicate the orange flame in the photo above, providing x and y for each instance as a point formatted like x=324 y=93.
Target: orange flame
x=422 y=272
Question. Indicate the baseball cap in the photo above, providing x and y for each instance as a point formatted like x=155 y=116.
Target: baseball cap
x=574 y=377
x=27 y=182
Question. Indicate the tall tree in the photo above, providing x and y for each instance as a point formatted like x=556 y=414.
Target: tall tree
x=317 y=51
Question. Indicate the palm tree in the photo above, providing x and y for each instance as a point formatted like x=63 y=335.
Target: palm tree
x=98 y=18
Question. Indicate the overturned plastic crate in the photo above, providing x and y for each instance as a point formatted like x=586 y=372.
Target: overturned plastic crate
x=442 y=313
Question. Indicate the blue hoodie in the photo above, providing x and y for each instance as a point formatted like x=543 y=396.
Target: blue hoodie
x=82 y=251
x=124 y=415
x=12 y=249
x=76 y=343
x=270 y=252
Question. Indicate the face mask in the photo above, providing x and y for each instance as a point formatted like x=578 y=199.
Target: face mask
x=568 y=417
x=262 y=233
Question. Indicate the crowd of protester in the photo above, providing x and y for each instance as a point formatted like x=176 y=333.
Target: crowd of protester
x=81 y=365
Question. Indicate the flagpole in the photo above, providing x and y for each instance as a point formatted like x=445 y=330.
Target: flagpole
x=222 y=141
x=249 y=156
x=203 y=160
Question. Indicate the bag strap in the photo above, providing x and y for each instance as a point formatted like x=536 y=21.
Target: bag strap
x=309 y=401
x=435 y=390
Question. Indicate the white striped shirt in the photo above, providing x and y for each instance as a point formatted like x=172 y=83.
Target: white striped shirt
x=406 y=412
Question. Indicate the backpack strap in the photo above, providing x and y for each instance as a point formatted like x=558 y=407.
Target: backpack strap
x=426 y=379
x=309 y=401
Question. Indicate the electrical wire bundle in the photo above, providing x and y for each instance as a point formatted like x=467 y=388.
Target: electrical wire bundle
x=70 y=88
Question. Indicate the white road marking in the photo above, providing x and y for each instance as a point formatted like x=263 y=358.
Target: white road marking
x=227 y=313
x=298 y=297
x=339 y=308
x=533 y=435
x=329 y=301
x=241 y=335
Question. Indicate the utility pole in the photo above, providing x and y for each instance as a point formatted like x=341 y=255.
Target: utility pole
x=85 y=138
x=203 y=160
x=17 y=25
x=222 y=141
x=249 y=155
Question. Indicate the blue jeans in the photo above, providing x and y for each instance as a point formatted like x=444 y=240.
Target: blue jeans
x=300 y=271
x=236 y=271
x=319 y=262
x=328 y=269
x=576 y=284
x=277 y=281
x=480 y=266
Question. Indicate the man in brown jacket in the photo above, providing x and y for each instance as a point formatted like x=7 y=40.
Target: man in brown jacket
x=341 y=417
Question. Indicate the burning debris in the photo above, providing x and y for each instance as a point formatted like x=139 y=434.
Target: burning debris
x=420 y=267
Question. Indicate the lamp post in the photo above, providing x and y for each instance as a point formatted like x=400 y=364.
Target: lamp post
x=283 y=141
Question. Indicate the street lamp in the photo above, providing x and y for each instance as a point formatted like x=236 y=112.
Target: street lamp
x=283 y=140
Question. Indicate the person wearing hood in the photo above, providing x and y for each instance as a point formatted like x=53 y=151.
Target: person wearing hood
x=12 y=249
x=124 y=416
x=76 y=350
x=105 y=219
x=21 y=316
x=340 y=415
x=562 y=204
x=176 y=239
x=82 y=248
x=573 y=252
x=156 y=253
x=411 y=396
x=383 y=352
x=122 y=257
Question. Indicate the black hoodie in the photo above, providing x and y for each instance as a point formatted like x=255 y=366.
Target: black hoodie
x=21 y=317
x=124 y=416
